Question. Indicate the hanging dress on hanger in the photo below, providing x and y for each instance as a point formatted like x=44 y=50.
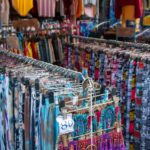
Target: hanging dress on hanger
x=22 y=6
x=4 y=17
x=46 y=8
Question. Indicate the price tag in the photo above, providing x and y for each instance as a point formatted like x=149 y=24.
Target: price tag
x=66 y=125
x=75 y=100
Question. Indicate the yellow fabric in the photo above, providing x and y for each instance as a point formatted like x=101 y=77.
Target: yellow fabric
x=125 y=75
x=29 y=54
x=97 y=64
x=134 y=82
x=132 y=113
x=22 y=6
x=132 y=147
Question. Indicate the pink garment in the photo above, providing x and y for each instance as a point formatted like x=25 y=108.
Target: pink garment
x=96 y=74
x=46 y=8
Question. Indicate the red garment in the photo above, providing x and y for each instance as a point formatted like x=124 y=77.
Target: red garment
x=98 y=116
x=121 y=3
x=117 y=111
x=131 y=128
x=26 y=48
x=90 y=119
x=137 y=134
x=96 y=74
x=34 y=51
x=133 y=92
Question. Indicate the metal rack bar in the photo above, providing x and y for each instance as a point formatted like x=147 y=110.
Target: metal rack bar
x=113 y=51
x=51 y=67
x=114 y=42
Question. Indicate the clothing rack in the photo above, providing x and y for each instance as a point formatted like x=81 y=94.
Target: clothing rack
x=145 y=47
x=11 y=30
x=114 y=51
x=142 y=33
x=66 y=72
x=51 y=67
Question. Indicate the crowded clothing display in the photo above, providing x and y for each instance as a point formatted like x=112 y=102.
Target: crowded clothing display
x=36 y=104
x=74 y=74
x=125 y=70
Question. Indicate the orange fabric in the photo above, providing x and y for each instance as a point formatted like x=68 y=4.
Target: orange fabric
x=146 y=21
x=94 y=10
x=128 y=13
x=79 y=9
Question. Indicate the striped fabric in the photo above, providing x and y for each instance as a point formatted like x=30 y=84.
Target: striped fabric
x=46 y=8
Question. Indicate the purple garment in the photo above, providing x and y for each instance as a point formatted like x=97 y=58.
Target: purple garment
x=106 y=142
x=73 y=144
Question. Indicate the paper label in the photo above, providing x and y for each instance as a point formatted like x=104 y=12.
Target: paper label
x=75 y=100
x=66 y=125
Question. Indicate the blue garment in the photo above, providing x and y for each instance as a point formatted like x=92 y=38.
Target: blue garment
x=47 y=125
x=112 y=17
x=20 y=39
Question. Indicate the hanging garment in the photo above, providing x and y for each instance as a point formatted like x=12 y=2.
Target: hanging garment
x=146 y=20
x=145 y=112
x=30 y=53
x=37 y=120
x=79 y=9
x=125 y=13
x=62 y=8
x=67 y=5
x=132 y=80
x=52 y=54
x=146 y=4
x=121 y=3
x=13 y=42
x=4 y=12
x=46 y=8
x=104 y=8
x=112 y=11
x=34 y=50
x=22 y=6
x=34 y=10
